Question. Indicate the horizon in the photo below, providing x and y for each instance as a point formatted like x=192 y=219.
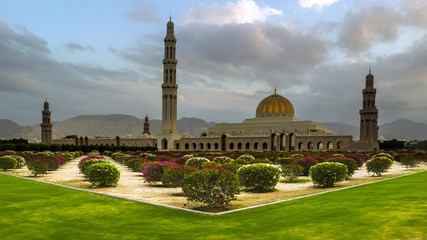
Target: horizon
x=231 y=55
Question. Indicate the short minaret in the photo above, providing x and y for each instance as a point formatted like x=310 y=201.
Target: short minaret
x=169 y=93
x=369 y=115
x=46 y=125
x=146 y=126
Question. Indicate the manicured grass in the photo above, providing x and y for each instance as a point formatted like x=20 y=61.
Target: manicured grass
x=392 y=209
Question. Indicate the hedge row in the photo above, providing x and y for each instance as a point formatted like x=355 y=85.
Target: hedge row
x=66 y=147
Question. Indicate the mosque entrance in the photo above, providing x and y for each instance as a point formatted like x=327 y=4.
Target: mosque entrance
x=164 y=144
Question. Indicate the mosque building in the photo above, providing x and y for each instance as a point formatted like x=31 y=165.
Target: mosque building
x=274 y=128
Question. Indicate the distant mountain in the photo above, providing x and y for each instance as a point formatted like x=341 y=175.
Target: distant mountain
x=126 y=125
x=404 y=129
x=9 y=129
x=342 y=129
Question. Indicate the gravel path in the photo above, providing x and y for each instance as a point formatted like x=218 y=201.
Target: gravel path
x=132 y=185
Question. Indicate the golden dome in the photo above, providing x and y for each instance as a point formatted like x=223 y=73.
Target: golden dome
x=275 y=105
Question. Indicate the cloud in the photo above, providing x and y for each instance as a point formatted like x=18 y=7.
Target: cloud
x=319 y=4
x=242 y=11
x=72 y=47
x=144 y=12
x=364 y=27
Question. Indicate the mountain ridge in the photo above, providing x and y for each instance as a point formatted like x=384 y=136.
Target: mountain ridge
x=127 y=125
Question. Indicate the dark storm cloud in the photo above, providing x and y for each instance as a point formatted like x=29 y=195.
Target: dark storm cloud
x=242 y=53
x=71 y=47
x=29 y=73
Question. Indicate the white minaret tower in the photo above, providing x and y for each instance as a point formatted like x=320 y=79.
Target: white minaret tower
x=169 y=93
x=369 y=116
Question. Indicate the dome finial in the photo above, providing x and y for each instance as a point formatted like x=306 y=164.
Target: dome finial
x=274 y=89
x=369 y=69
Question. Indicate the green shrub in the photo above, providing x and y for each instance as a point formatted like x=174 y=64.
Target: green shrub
x=174 y=176
x=246 y=157
x=214 y=187
x=151 y=157
x=284 y=160
x=350 y=163
x=410 y=161
x=85 y=163
x=291 y=171
x=327 y=174
x=7 y=162
x=222 y=159
x=196 y=161
x=239 y=161
x=20 y=161
x=103 y=174
x=38 y=166
x=260 y=177
x=378 y=165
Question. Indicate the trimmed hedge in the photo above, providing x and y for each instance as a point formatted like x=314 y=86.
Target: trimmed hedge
x=327 y=174
x=7 y=162
x=349 y=162
x=103 y=174
x=214 y=187
x=197 y=162
x=260 y=177
x=86 y=162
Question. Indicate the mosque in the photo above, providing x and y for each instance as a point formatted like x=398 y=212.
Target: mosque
x=274 y=128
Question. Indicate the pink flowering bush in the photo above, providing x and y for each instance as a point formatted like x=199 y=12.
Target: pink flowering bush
x=174 y=176
x=153 y=171
x=306 y=163
x=359 y=158
x=214 y=187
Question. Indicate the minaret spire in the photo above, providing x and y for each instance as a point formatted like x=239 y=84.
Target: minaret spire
x=369 y=116
x=169 y=92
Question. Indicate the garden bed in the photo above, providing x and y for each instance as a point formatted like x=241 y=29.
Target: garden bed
x=132 y=186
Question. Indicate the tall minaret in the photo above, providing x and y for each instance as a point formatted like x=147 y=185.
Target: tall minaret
x=146 y=126
x=46 y=126
x=169 y=86
x=369 y=114
x=169 y=93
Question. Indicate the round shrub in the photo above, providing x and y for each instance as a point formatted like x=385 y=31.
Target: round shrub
x=291 y=171
x=327 y=174
x=20 y=161
x=174 y=176
x=378 y=165
x=38 y=166
x=222 y=159
x=196 y=161
x=306 y=163
x=153 y=171
x=214 y=187
x=103 y=174
x=260 y=177
x=246 y=157
x=284 y=160
x=7 y=162
x=409 y=161
x=150 y=157
x=86 y=162
x=181 y=160
x=350 y=163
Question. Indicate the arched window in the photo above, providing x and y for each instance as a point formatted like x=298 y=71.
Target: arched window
x=187 y=146
x=194 y=146
x=248 y=145
x=264 y=146
x=177 y=146
x=300 y=145
x=208 y=146
x=256 y=145
x=239 y=146
x=231 y=146
x=339 y=145
x=201 y=146
x=216 y=145
x=320 y=146
x=330 y=146
x=310 y=146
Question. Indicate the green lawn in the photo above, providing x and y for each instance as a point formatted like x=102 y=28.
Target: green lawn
x=392 y=209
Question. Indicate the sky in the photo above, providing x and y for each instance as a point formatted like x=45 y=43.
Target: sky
x=105 y=57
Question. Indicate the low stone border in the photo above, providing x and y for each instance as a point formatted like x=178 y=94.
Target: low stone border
x=207 y=213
